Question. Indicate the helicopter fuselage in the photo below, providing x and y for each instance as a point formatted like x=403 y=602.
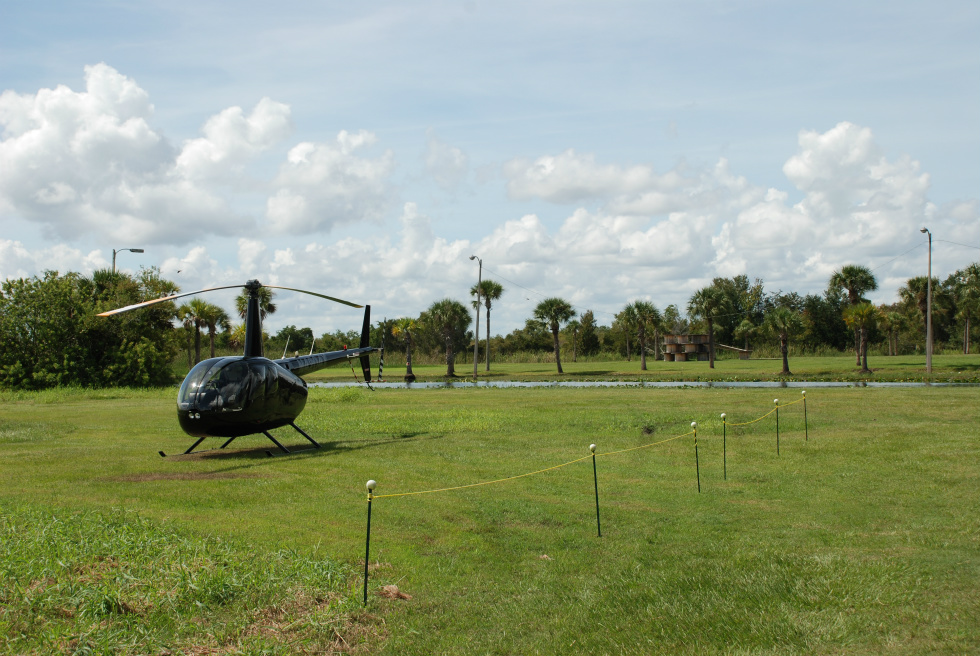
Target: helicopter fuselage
x=240 y=395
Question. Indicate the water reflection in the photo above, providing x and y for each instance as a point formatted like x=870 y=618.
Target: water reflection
x=611 y=383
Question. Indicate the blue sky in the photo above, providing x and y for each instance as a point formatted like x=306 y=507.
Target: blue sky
x=603 y=152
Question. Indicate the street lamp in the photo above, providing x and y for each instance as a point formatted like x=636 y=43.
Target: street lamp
x=929 y=307
x=476 y=335
x=120 y=250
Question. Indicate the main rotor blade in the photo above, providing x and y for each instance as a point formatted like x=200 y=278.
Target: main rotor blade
x=162 y=300
x=329 y=298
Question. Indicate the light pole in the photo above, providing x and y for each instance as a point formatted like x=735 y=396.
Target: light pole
x=929 y=307
x=476 y=335
x=120 y=250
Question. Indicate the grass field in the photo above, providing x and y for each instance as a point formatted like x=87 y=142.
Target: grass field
x=862 y=539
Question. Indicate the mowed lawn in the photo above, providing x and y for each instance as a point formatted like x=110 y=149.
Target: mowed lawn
x=863 y=538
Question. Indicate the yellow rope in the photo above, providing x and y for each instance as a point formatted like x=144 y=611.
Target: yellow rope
x=540 y=471
x=499 y=480
x=635 y=448
x=753 y=421
x=570 y=462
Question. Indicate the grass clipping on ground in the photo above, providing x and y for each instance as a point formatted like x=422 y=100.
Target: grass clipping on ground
x=116 y=583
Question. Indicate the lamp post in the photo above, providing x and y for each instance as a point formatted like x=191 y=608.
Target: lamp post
x=476 y=335
x=929 y=307
x=120 y=250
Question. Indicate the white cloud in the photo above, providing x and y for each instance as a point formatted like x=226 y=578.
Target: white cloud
x=570 y=177
x=82 y=163
x=653 y=236
x=231 y=139
x=17 y=261
x=325 y=184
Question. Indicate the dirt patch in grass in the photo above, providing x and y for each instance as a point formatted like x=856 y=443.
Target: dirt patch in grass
x=183 y=476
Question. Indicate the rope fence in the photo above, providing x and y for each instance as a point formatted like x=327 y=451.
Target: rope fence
x=372 y=485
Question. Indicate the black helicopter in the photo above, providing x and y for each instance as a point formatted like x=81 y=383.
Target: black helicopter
x=230 y=397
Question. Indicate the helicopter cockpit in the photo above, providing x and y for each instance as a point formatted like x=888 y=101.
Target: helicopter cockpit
x=217 y=384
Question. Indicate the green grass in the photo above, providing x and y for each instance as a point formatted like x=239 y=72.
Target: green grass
x=946 y=368
x=863 y=539
x=86 y=582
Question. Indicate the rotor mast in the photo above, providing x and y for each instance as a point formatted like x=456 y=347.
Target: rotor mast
x=253 y=321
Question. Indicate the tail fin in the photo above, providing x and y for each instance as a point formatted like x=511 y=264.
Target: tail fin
x=365 y=342
x=381 y=359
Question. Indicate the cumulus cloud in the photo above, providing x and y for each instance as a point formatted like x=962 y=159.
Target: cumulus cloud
x=857 y=205
x=570 y=177
x=324 y=184
x=17 y=261
x=693 y=224
x=89 y=163
x=79 y=163
x=231 y=139
x=657 y=236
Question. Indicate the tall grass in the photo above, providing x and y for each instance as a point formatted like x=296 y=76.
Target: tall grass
x=92 y=582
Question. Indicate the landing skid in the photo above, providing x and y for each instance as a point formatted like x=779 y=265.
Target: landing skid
x=316 y=445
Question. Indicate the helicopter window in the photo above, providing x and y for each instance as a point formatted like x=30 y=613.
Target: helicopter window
x=229 y=386
x=191 y=386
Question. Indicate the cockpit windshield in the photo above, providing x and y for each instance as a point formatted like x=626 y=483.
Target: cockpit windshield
x=218 y=384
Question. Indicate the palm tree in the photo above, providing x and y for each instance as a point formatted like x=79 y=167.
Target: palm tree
x=210 y=316
x=490 y=291
x=554 y=312
x=968 y=300
x=889 y=322
x=186 y=317
x=646 y=316
x=746 y=330
x=707 y=304
x=403 y=329
x=237 y=336
x=862 y=317
x=626 y=321
x=266 y=306
x=857 y=280
x=573 y=327
x=784 y=323
x=449 y=320
x=195 y=307
x=915 y=293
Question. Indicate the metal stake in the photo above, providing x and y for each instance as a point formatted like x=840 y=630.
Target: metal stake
x=724 y=447
x=776 y=401
x=697 y=465
x=806 y=426
x=595 y=477
x=367 y=546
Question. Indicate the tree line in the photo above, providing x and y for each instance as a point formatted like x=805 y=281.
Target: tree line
x=49 y=335
x=733 y=311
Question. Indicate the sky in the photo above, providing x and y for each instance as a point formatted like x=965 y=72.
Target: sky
x=599 y=152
